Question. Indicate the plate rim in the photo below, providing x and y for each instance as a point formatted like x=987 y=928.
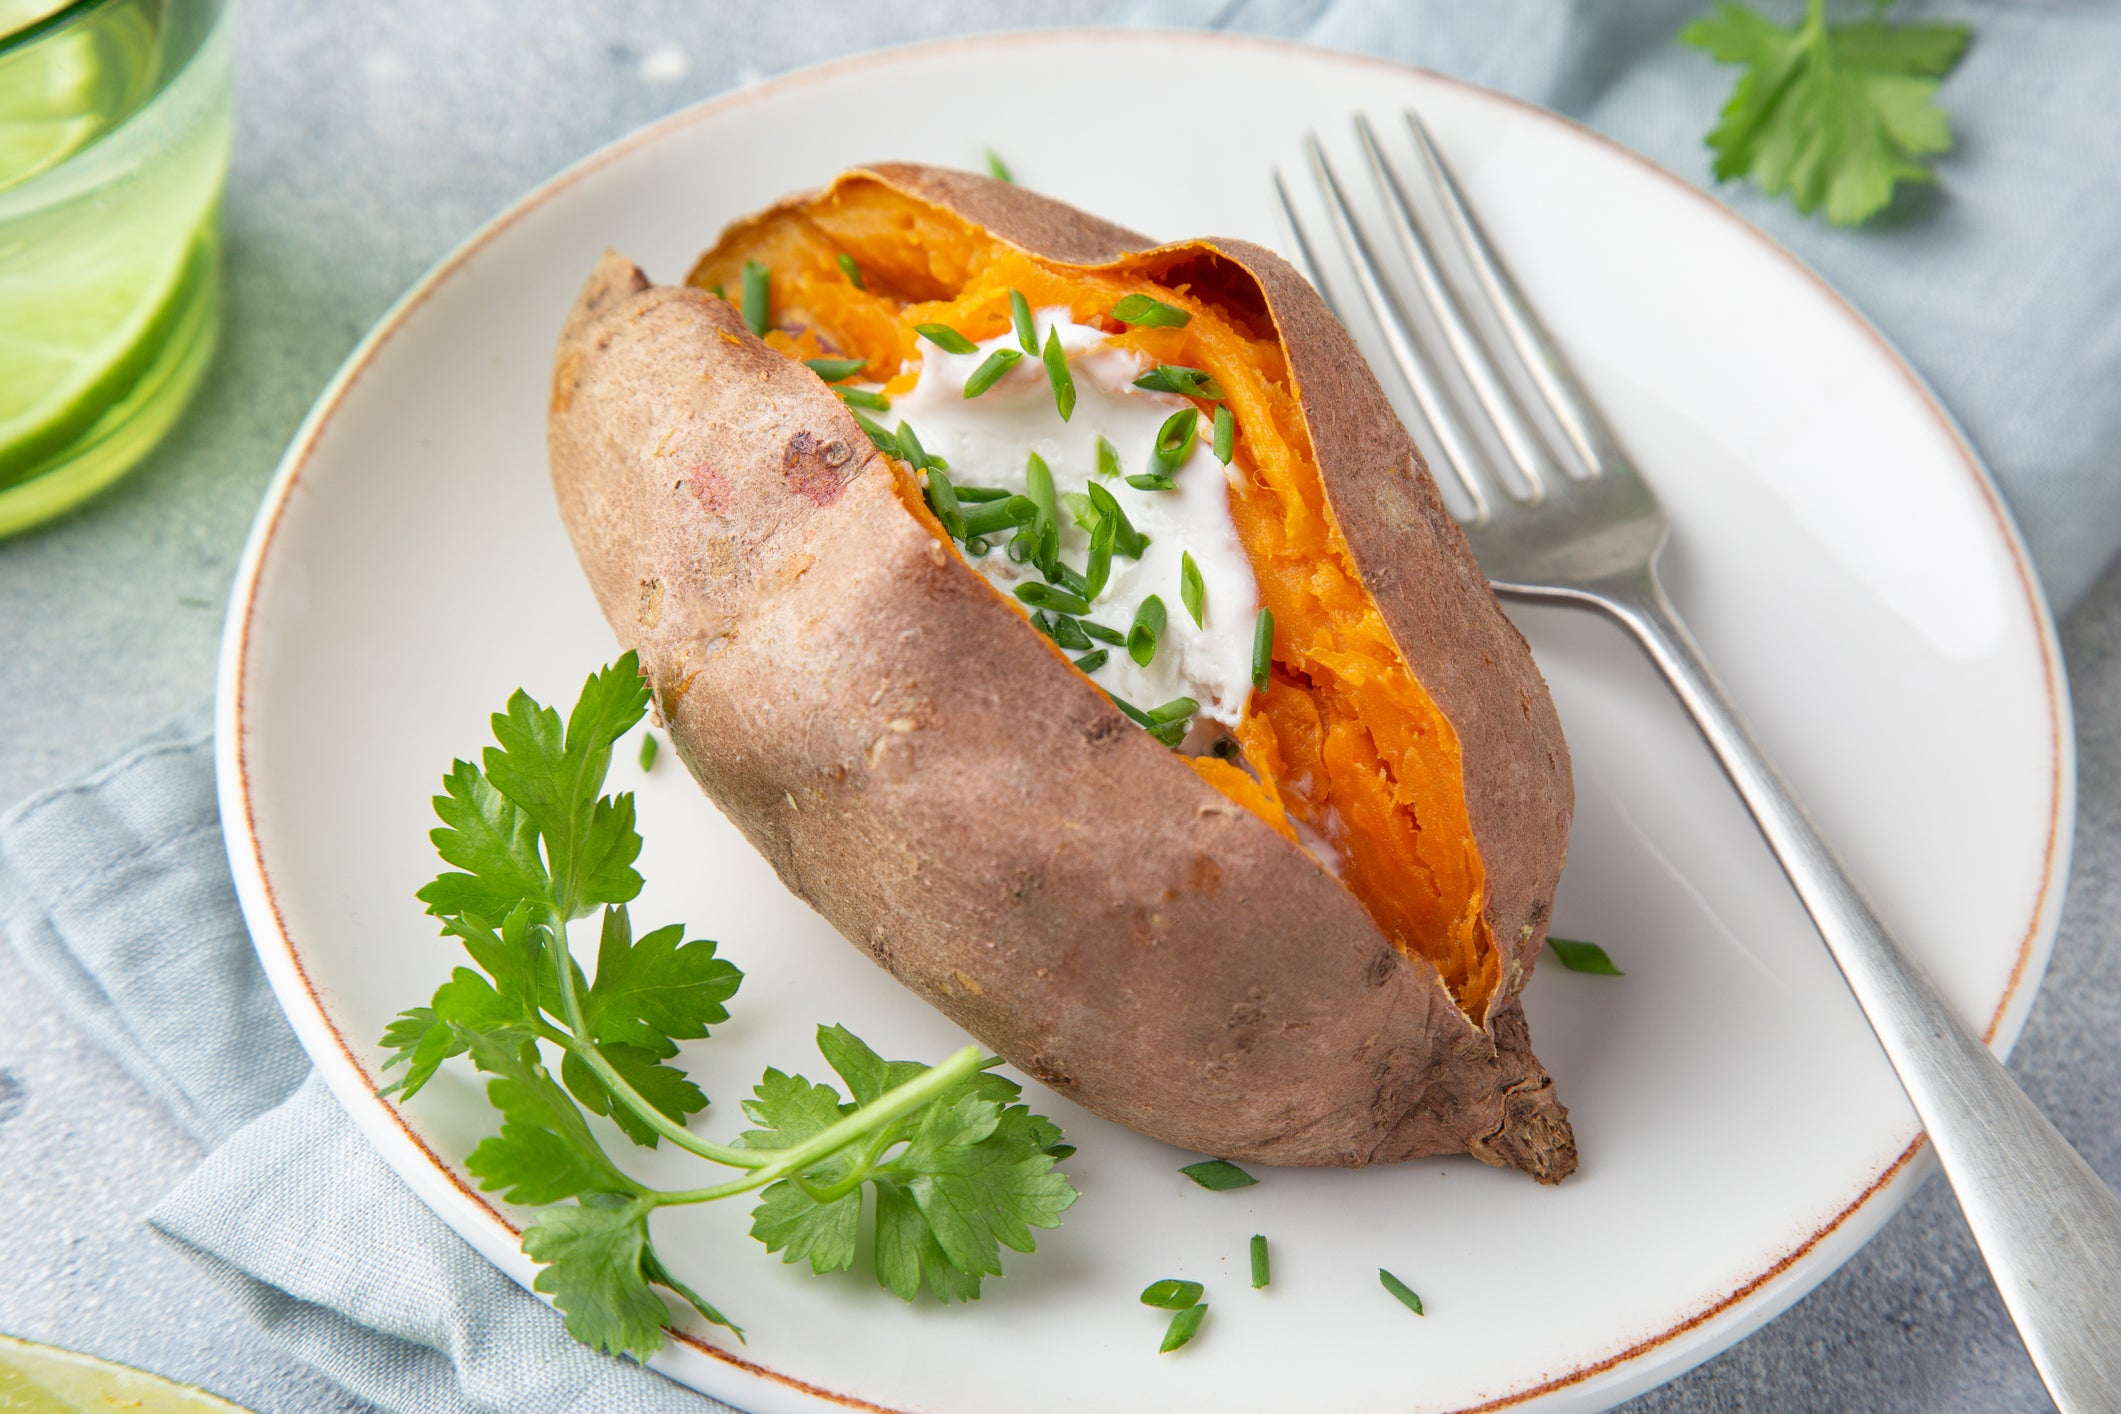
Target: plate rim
x=381 y=1121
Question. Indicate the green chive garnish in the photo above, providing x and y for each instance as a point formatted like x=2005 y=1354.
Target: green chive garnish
x=1099 y=568
x=1040 y=481
x=942 y=499
x=1259 y=1261
x=981 y=493
x=910 y=448
x=1126 y=540
x=1079 y=509
x=1175 y=439
x=1184 y=1326
x=1171 y=1294
x=852 y=271
x=1107 y=457
x=835 y=370
x=1068 y=633
x=1262 y=649
x=1066 y=576
x=977 y=545
x=990 y=517
x=1584 y=957
x=1148 y=627
x=990 y=371
x=1227 y=748
x=863 y=398
x=1043 y=624
x=649 y=746
x=1191 y=591
x=1225 y=434
x=1057 y=374
x=1403 y=1293
x=884 y=441
x=758 y=298
x=998 y=169
x=945 y=338
x=1218 y=1175
x=1153 y=313
x=1091 y=662
x=1177 y=378
x=1102 y=634
x=1133 y=713
x=715 y=289
x=1020 y=316
x=1176 y=710
x=1046 y=596
x=1022 y=546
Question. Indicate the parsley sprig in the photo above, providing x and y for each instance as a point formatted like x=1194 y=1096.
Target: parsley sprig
x=959 y=1169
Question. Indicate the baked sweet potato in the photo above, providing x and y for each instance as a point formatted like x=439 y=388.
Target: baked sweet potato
x=1138 y=928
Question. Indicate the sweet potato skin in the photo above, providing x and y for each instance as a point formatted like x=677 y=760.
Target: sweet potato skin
x=936 y=781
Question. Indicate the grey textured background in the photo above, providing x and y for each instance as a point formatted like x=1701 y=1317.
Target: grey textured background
x=370 y=139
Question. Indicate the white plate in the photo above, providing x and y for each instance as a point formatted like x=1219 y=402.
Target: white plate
x=1837 y=548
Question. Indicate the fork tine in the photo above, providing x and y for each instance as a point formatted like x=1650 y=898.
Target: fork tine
x=1429 y=396
x=1573 y=411
x=1467 y=350
x=1306 y=258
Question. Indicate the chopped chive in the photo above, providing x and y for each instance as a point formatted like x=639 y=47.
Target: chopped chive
x=1218 y=1175
x=1022 y=546
x=1152 y=481
x=884 y=441
x=1262 y=649
x=1039 y=479
x=1091 y=662
x=1184 y=1326
x=1170 y=733
x=1133 y=713
x=910 y=448
x=946 y=338
x=1151 y=313
x=1020 y=316
x=1068 y=633
x=1177 y=378
x=1259 y=1261
x=991 y=517
x=1099 y=569
x=977 y=545
x=758 y=298
x=1058 y=375
x=1226 y=747
x=1102 y=634
x=852 y=271
x=835 y=370
x=998 y=169
x=1403 y=1293
x=1176 y=710
x=1107 y=458
x=1191 y=591
x=863 y=398
x=649 y=747
x=1043 y=624
x=1176 y=438
x=1061 y=1151
x=716 y=290
x=1148 y=628
x=981 y=493
x=1079 y=509
x=1171 y=1294
x=942 y=499
x=990 y=371
x=1126 y=540
x=1066 y=576
x=1225 y=434
x=1046 y=596
x=1584 y=957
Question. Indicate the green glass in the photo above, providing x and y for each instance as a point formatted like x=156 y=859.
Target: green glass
x=114 y=125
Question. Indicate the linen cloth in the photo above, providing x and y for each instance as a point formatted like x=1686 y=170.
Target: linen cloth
x=2001 y=286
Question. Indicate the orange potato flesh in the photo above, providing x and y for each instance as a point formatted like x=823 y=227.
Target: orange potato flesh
x=1344 y=738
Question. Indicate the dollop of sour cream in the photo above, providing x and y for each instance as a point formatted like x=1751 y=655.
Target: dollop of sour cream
x=987 y=441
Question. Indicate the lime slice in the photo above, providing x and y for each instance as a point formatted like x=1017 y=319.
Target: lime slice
x=39 y=1379
x=54 y=99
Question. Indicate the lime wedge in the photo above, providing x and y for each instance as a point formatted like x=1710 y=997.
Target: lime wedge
x=55 y=97
x=39 y=1379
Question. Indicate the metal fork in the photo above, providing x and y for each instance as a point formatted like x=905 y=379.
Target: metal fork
x=1563 y=515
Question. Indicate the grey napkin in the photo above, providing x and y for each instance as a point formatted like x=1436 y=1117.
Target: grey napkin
x=115 y=893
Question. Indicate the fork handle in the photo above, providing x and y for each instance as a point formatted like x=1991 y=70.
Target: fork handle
x=2048 y=1225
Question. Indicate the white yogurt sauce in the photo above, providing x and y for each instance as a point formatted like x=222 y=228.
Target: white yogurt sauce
x=987 y=441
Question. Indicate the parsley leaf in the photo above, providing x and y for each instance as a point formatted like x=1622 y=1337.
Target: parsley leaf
x=544 y=1151
x=598 y=1266
x=1834 y=115
x=656 y=987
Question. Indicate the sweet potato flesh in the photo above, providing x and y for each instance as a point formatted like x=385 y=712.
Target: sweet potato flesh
x=1344 y=739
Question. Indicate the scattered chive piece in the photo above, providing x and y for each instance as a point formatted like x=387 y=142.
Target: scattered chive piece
x=1061 y=1151
x=1262 y=649
x=990 y=371
x=1191 y=591
x=852 y=271
x=1177 y=378
x=1227 y=748
x=1133 y=713
x=835 y=370
x=863 y=398
x=1259 y=1261
x=1020 y=316
x=1079 y=509
x=1153 y=313
x=1175 y=439
x=1099 y=569
x=1184 y=1326
x=1107 y=458
x=884 y=441
x=1176 y=710
x=758 y=298
x=1584 y=957
x=1401 y=1291
x=1218 y=1175
x=1057 y=374
x=998 y=169
x=1022 y=546
x=945 y=338
x=1045 y=596
x=1043 y=624
x=910 y=447
x=1225 y=434
x=1090 y=663
x=993 y=516
x=977 y=545
x=1039 y=478
x=1171 y=1294
x=1152 y=481
x=715 y=289
x=1148 y=628
x=942 y=498
x=649 y=747
x=1066 y=576
x=1102 y=634
x=1126 y=540
x=981 y=493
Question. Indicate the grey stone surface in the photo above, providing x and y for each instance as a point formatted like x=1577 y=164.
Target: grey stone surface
x=370 y=139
